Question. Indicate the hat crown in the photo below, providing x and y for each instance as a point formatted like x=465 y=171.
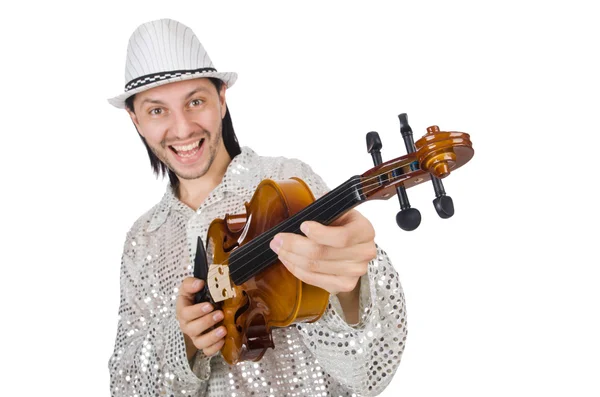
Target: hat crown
x=163 y=46
x=162 y=52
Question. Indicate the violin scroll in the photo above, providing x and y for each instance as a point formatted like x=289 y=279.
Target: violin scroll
x=435 y=151
x=432 y=157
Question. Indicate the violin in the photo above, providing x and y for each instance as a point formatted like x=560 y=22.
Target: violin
x=244 y=277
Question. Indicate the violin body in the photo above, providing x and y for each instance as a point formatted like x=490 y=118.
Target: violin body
x=274 y=297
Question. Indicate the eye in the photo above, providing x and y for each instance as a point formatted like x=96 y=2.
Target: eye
x=155 y=111
x=195 y=102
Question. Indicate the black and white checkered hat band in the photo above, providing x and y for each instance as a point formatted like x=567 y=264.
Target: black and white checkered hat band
x=151 y=78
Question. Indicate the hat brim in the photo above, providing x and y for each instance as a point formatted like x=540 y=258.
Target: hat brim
x=228 y=78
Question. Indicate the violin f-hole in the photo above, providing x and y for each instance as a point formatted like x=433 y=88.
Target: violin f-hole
x=241 y=310
x=229 y=243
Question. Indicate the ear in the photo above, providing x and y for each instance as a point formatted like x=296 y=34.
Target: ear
x=135 y=121
x=222 y=100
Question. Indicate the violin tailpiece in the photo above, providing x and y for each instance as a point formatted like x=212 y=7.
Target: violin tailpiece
x=219 y=283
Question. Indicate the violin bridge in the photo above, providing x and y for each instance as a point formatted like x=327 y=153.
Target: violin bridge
x=219 y=283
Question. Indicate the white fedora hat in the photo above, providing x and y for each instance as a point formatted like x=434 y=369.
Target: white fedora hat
x=162 y=52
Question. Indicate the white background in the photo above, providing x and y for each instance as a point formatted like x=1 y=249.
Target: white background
x=502 y=298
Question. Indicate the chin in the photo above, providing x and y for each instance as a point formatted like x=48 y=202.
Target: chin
x=191 y=173
x=191 y=176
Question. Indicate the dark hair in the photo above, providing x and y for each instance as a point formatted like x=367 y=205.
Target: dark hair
x=229 y=139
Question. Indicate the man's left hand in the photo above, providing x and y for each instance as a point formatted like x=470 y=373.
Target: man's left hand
x=330 y=257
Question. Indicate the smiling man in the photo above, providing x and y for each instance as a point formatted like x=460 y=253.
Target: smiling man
x=166 y=344
x=181 y=123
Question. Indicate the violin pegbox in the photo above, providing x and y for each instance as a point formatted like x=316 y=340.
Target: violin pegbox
x=407 y=218
x=436 y=154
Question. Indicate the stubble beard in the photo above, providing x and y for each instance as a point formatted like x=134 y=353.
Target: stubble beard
x=208 y=145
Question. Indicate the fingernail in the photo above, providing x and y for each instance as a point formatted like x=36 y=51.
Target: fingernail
x=220 y=332
x=304 y=228
x=206 y=308
x=218 y=316
x=276 y=244
x=196 y=284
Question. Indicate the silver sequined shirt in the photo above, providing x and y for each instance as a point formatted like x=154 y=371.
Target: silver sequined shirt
x=325 y=358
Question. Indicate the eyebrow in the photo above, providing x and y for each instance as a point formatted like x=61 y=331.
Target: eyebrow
x=158 y=102
x=192 y=93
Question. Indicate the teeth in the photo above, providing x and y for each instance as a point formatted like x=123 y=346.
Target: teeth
x=185 y=148
x=188 y=154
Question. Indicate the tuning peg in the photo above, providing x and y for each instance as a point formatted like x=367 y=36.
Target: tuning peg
x=408 y=218
x=442 y=203
x=444 y=206
x=374 y=146
x=407 y=133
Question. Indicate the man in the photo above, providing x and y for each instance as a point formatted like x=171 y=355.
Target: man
x=165 y=344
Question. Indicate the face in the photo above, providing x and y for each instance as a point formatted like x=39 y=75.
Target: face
x=182 y=124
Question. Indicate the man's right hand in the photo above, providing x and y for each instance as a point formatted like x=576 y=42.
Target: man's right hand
x=196 y=319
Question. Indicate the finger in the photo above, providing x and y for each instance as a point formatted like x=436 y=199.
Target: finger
x=210 y=338
x=192 y=312
x=189 y=287
x=211 y=350
x=202 y=324
x=350 y=229
x=332 y=284
x=314 y=264
x=302 y=246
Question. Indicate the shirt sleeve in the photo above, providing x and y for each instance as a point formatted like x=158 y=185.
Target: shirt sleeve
x=361 y=358
x=364 y=357
x=149 y=357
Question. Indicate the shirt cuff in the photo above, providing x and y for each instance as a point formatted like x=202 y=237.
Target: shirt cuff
x=364 y=302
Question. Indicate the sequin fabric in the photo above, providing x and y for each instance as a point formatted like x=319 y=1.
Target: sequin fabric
x=325 y=358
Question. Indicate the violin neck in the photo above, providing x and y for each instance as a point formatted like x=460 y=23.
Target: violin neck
x=325 y=210
x=332 y=205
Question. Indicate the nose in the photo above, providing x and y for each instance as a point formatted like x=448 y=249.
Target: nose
x=183 y=126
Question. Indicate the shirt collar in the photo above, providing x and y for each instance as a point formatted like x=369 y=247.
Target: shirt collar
x=241 y=178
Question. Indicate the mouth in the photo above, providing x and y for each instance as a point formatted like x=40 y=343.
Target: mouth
x=188 y=150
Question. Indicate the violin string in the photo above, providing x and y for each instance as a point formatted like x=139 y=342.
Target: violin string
x=296 y=230
x=258 y=241
x=329 y=203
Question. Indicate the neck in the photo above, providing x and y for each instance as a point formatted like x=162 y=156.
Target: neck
x=193 y=192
